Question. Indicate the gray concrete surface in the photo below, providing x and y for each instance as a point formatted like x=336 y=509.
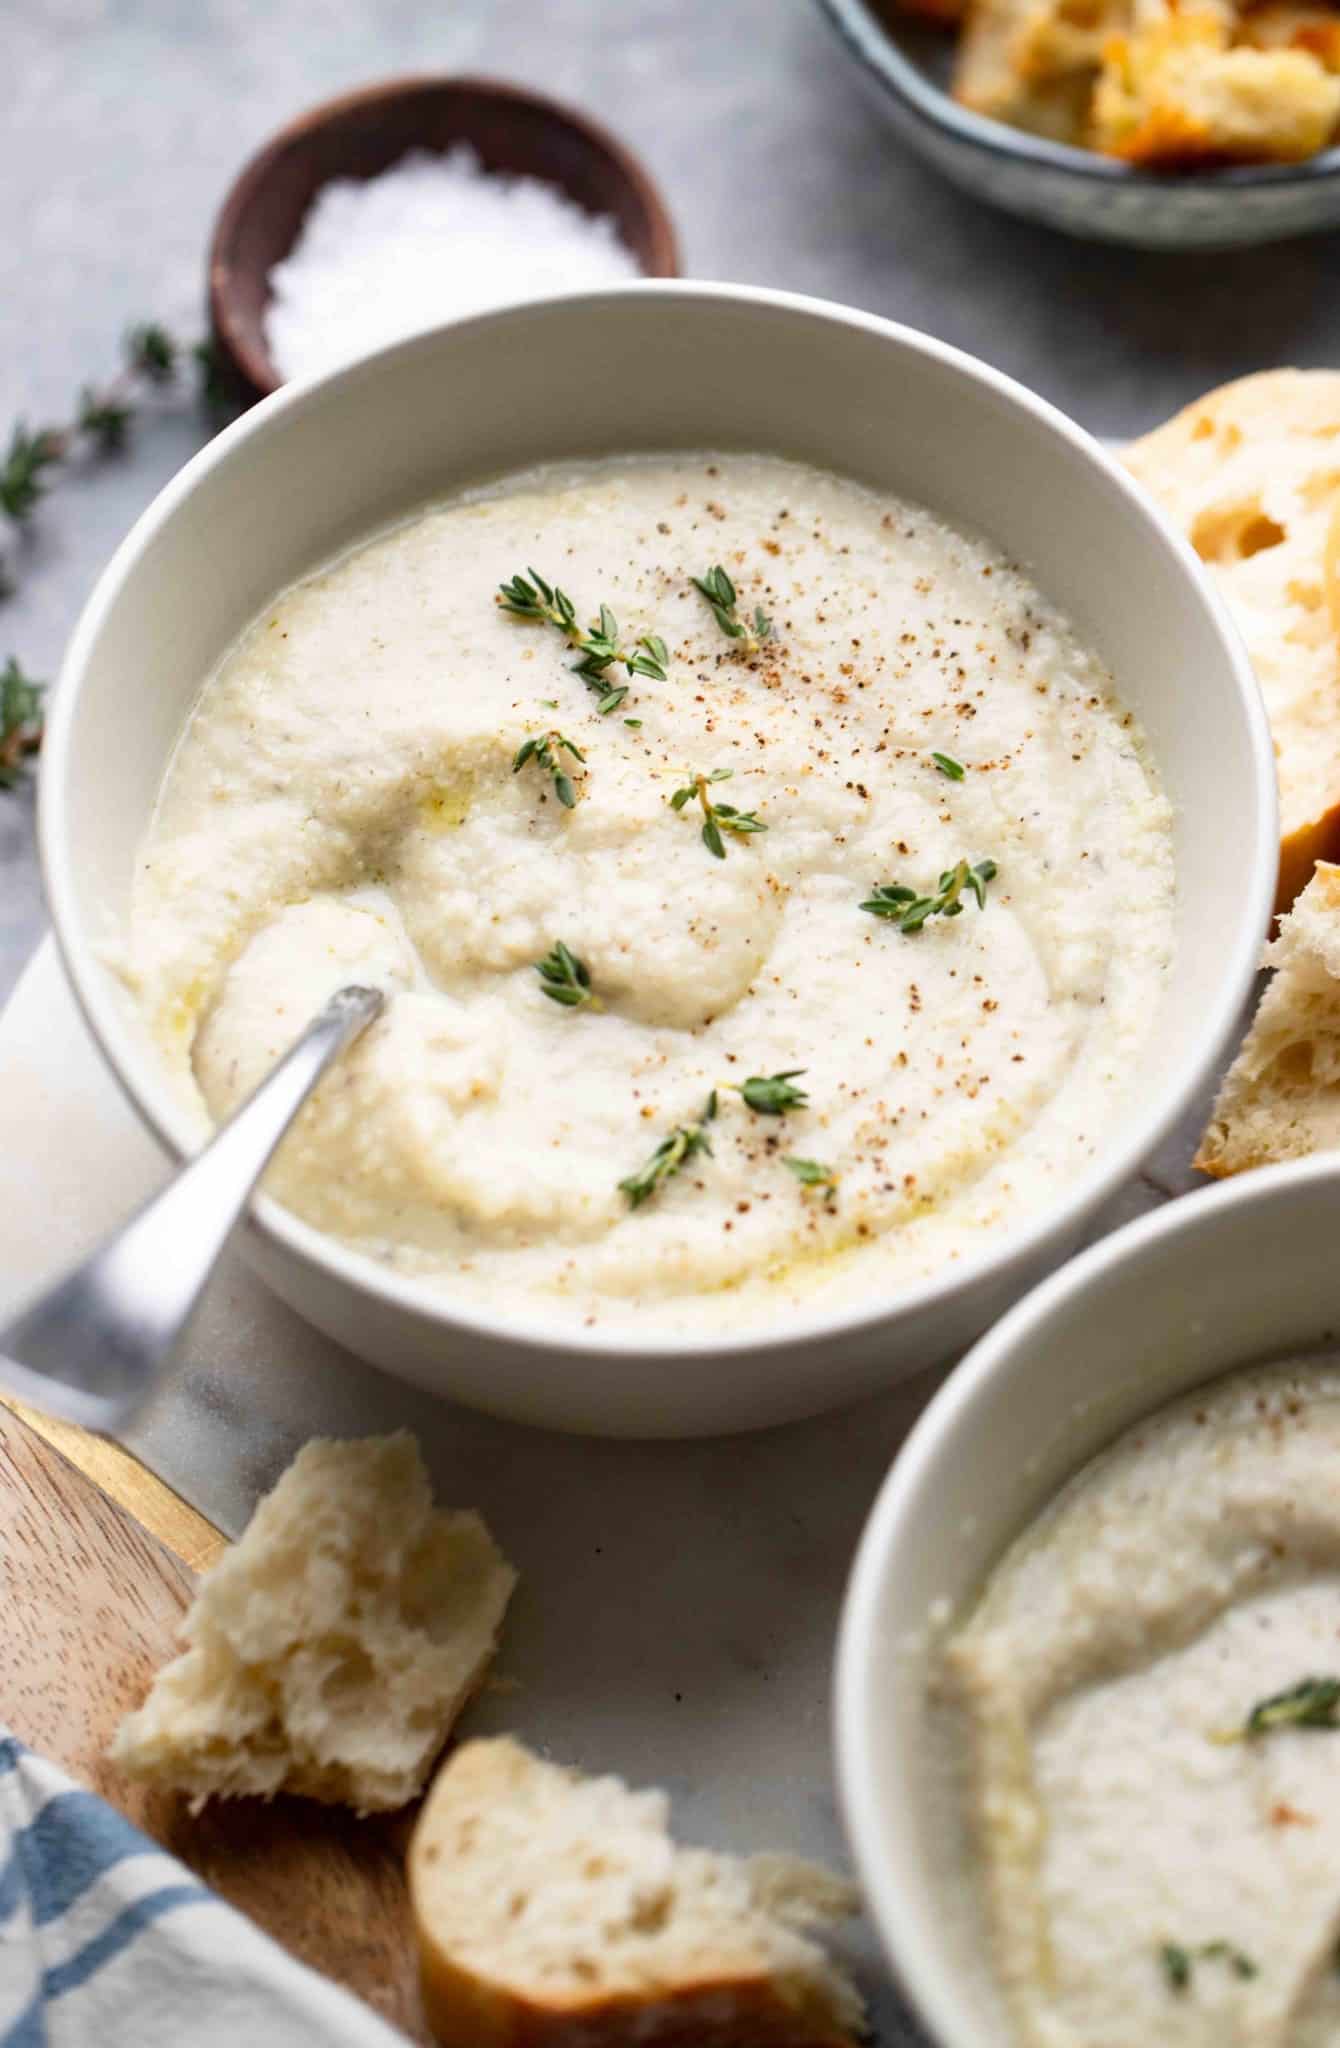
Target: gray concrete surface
x=126 y=119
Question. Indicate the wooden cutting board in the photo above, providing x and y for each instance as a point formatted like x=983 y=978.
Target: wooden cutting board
x=98 y=1561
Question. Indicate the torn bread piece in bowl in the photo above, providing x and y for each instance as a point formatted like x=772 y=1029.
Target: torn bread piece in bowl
x=1088 y=1689
x=785 y=843
x=1202 y=125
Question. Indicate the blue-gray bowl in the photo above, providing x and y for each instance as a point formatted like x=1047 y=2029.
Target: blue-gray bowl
x=905 y=66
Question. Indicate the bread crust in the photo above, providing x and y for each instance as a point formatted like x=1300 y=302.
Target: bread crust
x=554 y=1911
x=716 y=2012
x=1280 y=1099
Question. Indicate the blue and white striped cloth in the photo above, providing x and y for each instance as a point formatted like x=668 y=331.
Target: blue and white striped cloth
x=106 y=1940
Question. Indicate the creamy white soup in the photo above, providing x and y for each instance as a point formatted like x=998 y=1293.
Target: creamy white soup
x=750 y=947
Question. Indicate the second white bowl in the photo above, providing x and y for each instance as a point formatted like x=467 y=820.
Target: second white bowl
x=1238 y=1276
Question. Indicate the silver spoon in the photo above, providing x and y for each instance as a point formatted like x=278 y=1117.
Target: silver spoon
x=94 y=1347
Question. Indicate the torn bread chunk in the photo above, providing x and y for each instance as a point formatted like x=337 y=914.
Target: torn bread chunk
x=1033 y=62
x=330 y=1650
x=1281 y=1097
x=1250 y=475
x=1294 y=25
x=554 y=1911
x=1175 y=93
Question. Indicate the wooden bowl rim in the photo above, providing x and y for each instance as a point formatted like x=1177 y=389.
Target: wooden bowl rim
x=254 y=362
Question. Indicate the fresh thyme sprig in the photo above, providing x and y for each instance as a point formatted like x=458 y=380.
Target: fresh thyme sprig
x=909 y=911
x=1177 y=1961
x=20 y=721
x=812 y=1173
x=673 y=1152
x=565 y=979
x=719 y=591
x=22 y=478
x=150 y=356
x=540 y=748
x=599 y=646
x=717 y=818
x=772 y=1094
x=1312 y=1703
x=948 y=766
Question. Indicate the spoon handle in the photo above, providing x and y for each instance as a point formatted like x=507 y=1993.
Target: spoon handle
x=94 y=1346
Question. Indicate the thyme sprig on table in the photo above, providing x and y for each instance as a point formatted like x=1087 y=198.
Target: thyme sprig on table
x=30 y=463
x=1312 y=1703
x=720 y=593
x=717 y=818
x=675 y=1150
x=541 y=748
x=909 y=911
x=772 y=1094
x=600 y=645
x=1177 y=1962
x=150 y=356
x=20 y=721
x=565 y=979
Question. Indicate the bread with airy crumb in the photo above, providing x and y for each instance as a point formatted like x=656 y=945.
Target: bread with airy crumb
x=1033 y=62
x=1295 y=25
x=1174 y=94
x=1250 y=475
x=554 y=1911
x=330 y=1650
x=1281 y=1097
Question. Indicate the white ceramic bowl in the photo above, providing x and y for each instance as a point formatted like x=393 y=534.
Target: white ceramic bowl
x=654 y=366
x=1238 y=1276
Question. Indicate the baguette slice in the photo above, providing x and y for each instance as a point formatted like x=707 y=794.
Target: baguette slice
x=554 y=1911
x=1250 y=474
x=330 y=1650
x=1295 y=25
x=1281 y=1097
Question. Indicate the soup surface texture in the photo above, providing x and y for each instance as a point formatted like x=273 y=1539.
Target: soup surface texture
x=346 y=804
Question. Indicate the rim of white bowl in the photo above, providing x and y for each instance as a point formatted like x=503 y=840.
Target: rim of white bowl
x=885 y=1847
x=148 y=1091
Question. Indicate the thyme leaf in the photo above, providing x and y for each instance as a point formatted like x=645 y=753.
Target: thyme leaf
x=1177 y=1961
x=717 y=818
x=720 y=593
x=565 y=979
x=22 y=479
x=947 y=765
x=540 y=748
x=673 y=1152
x=773 y=1094
x=20 y=720
x=1312 y=1703
x=907 y=910
x=152 y=353
x=812 y=1173
x=600 y=645
x=1224 y=1951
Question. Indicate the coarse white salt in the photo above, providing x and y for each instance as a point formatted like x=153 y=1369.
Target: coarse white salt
x=428 y=240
